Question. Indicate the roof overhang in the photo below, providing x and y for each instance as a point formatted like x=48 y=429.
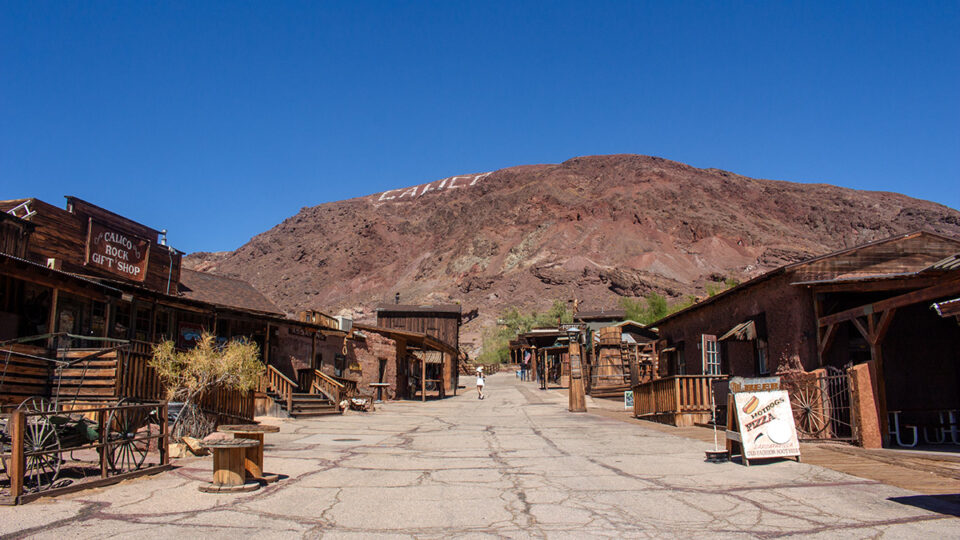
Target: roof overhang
x=744 y=331
x=415 y=338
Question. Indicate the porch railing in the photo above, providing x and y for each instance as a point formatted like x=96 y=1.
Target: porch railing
x=281 y=384
x=678 y=400
x=321 y=383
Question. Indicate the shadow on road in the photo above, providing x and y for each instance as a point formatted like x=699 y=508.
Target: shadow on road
x=948 y=504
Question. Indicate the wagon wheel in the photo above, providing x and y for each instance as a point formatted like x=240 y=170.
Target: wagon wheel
x=125 y=452
x=40 y=471
x=808 y=411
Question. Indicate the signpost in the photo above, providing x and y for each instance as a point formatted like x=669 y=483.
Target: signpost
x=760 y=420
x=578 y=399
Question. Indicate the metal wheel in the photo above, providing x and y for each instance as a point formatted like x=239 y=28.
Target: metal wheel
x=808 y=410
x=124 y=426
x=40 y=471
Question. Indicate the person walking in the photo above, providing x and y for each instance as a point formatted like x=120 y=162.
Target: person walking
x=479 y=382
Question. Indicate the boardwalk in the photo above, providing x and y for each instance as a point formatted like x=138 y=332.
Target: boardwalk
x=513 y=465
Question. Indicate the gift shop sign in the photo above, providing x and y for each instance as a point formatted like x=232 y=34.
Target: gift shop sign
x=766 y=424
x=117 y=252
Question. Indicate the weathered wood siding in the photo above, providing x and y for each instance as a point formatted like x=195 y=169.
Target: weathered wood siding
x=14 y=235
x=443 y=326
x=62 y=235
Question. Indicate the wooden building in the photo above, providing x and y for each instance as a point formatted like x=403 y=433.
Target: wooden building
x=815 y=320
x=89 y=272
x=439 y=323
x=623 y=355
x=415 y=366
x=550 y=356
x=596 y=319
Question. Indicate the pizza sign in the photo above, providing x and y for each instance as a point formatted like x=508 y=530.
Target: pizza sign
x=117 y=252
x=766 y=424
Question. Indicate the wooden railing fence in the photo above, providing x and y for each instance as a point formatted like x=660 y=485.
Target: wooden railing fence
x=33 y=469
x=279 y=383
x=677 y=400
x=230 y=406
x=325 y=384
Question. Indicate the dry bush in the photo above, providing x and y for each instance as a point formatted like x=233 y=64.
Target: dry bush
x=189 y=375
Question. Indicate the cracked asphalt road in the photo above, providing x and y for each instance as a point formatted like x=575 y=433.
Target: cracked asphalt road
x=516 y=464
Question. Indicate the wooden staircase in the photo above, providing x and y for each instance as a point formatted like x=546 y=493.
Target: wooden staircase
x=307 y=405
x=322 y=398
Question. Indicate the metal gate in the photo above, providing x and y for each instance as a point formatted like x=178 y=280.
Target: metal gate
x=821 y=406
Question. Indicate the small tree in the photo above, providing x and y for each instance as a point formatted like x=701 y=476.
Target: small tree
x=189 y=375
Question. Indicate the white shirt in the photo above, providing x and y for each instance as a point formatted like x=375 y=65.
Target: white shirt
x=479 y=380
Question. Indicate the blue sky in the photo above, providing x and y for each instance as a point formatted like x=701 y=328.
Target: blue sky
x=218 y=120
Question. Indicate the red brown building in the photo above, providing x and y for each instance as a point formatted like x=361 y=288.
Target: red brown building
x=869 y=305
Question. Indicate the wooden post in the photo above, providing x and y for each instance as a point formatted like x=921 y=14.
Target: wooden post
x=18 y=421
x=107 y=314
x=104 y=451
x=403 y=368
x=634 y=360
x=266 y=347
x=164 y=441
x=423 y=380
x=577 y=399
x=52 y=321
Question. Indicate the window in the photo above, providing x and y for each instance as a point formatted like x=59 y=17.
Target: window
x=162 y=325
x=142 y=332
x=98 y=319
x=711 y=354
x=121 y=321
x=762 y=368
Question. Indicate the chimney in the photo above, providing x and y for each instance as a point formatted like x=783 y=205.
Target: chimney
x=396 y=299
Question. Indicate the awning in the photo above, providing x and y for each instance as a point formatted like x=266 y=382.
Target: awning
x=429 y=357
x=744 y=331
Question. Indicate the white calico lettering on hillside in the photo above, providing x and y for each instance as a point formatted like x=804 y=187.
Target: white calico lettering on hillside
x=452 y=182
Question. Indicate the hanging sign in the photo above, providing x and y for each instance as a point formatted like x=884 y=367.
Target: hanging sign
x=117 y=252
x=765 y=423
x=755 y=384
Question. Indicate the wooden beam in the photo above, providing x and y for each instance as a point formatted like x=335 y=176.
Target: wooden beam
x=884 y=324
x=52 y=321
x=827 y=340
x=911 y=282
x=922 y=295
x=863 y=331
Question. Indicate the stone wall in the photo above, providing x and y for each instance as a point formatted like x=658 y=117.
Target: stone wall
x=369 y=353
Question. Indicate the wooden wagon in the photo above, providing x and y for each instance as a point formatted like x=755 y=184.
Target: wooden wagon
x=63 y=421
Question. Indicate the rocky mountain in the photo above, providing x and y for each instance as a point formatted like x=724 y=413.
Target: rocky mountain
x=591 y=228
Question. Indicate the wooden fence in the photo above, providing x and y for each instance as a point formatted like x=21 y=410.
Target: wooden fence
x=23 y=373
x=137 y=378
x=96 y=375
x=680 y=400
